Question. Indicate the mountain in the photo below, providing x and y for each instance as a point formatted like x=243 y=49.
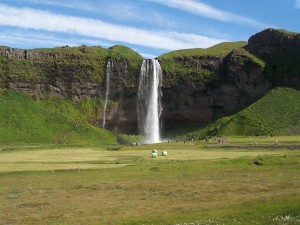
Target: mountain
x=277 y=113
x=199 y=85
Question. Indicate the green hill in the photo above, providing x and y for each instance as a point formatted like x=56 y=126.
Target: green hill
x=221 y=49
x=46 y=120
x=200 y=65
x=277 y=113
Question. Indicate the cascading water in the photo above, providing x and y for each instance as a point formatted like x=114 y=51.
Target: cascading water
x=149 y=101
x=109 y=69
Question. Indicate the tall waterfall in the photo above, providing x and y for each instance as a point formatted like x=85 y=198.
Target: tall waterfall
x=149 y=101
x=109 y=69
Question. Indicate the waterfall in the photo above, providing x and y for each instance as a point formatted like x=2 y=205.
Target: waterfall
x=149 y=104
x=109 y=69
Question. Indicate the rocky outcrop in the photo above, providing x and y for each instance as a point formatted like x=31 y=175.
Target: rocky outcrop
x=271 y=40
x=280 y=50
x=123 y=91
x=232 y=82
x=236 y=82
x=75 y=73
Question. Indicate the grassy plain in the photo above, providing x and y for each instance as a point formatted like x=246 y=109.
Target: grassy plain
x=197 y=183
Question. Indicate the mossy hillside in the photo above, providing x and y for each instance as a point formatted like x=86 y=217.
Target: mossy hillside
x=129 y=69
x=66 y=63
x=280 y=50
x=92 y=109
x=17 y=69
x=77 y=63
x=47 y=120
x=241 y=54
x=277 y=113
x=200 y=65
x=119 y=52
x=282 y=65
x=221 y=49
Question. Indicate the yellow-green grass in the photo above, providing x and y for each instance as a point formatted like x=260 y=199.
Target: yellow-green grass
x=27 y=158
x=201 y=183
x=9 y=167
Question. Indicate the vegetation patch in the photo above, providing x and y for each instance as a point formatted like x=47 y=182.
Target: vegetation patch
x=47 y=120
x=277 y=113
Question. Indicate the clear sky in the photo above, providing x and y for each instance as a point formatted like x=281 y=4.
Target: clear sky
x=150 y=27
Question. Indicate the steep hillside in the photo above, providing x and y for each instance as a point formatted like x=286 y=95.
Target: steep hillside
x=198 y=65
x=202 y=85
x=277 y=113
x=78 y=74
x=72 y=72
x=46 y=120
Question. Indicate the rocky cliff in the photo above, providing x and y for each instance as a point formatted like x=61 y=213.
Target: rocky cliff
x=77 y=73
x=199 y=85
x=202 y=85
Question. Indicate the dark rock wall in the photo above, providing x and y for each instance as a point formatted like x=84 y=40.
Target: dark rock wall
x=271 y=40
x=123 y=90
x=239 y=81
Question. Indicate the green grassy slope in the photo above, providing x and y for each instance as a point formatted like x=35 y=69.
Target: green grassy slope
x=48 y=120
x=277 y=113
x=221 y=49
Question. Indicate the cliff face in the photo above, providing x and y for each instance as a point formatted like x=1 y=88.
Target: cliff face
x=123 y=92
x=232 y=82
x=271 y=40
x=77 y=73
x=224 y=79
x=281 y=52
x=199 y=85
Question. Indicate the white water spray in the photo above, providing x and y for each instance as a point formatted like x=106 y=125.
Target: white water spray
x=109 y=69
x=149 y=101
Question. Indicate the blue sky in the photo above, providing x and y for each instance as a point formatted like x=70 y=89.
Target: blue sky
x=150 y=27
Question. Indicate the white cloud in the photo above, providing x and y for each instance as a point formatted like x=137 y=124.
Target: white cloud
x=14 y=38
x=205 y=10
x=116 y=9
x=46 y=21
x=297 y=4
x=132 y=11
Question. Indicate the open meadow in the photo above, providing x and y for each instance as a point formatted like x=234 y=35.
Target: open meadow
x=246 y=180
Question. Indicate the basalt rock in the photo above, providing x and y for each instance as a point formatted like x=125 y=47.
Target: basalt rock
x=271 y=40
x=236 y=81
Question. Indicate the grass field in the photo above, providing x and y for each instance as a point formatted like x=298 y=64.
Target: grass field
x=197 y=183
